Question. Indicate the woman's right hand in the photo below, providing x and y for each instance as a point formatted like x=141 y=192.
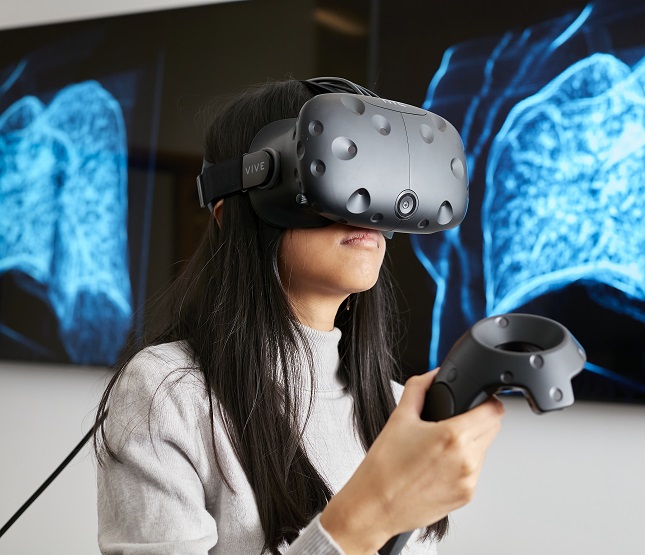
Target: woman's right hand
x=414 y=474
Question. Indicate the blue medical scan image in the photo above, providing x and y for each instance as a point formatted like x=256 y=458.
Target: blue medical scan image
x=68 y=286
x=63 y=196
x=553 y=122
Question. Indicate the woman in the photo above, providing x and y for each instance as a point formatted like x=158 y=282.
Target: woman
x=243 y=427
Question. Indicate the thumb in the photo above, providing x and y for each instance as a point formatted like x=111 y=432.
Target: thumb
x=414 y=394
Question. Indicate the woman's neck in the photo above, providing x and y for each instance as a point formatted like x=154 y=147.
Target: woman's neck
x=318 y=313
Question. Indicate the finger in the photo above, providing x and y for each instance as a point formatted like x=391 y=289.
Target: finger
x=486 y=437
x=479 y=420
x=496 y=405
x=414 y=394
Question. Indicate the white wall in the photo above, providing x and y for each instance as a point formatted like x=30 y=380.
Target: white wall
x=562 y=483
x=23 y=13
x=44 y=413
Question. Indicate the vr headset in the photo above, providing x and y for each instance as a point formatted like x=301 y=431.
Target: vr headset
x=349 y=157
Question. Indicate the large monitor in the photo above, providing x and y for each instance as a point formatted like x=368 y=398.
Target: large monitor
x=100 y=143
x=553 y=121
x=74 y=196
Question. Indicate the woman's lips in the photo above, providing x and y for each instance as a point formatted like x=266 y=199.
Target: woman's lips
x=362 y=237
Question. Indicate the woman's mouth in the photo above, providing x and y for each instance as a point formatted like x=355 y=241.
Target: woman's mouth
x=362 y=237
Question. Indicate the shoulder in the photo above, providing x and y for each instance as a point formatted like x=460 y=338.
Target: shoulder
x=157 y=365
x=175 y=354
x=161 y=383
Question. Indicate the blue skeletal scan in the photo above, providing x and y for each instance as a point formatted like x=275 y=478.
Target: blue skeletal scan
x=64 y=202
x=565 y=189
x=553 y=123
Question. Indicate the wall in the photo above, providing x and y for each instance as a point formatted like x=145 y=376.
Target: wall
x=24 y=13
x=561 y=483
x=44 y=412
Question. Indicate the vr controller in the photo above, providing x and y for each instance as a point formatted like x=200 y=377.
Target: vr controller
x=512 y=352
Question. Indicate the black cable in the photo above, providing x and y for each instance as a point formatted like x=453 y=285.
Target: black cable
x=395 y=544
x=337 y=84
x=48 y=481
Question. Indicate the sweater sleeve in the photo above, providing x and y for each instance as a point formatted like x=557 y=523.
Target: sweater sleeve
x=314 y=540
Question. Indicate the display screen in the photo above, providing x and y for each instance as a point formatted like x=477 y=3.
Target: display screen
x=73 y=198
x=552 y=117
x=101 y=127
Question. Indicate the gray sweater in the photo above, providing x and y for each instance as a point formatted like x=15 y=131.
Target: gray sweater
x=167 y=495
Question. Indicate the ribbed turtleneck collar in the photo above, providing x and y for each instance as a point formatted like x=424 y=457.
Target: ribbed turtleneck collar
x=324 y=350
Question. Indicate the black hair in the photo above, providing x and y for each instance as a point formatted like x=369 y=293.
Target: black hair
x=229 y=306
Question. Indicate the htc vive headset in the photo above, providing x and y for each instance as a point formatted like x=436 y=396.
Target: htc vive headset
x=349 y=157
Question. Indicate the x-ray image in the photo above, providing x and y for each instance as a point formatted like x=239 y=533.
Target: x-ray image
x=553 y=122
x=68 y=286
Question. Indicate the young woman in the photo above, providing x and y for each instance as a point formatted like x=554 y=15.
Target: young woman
x=262 y=417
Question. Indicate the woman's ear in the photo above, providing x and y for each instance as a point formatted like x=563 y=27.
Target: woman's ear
x=217 y=212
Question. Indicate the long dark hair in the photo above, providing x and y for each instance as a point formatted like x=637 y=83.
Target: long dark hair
x=229 y=306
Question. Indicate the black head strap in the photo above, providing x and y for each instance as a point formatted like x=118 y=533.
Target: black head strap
x=227 y=178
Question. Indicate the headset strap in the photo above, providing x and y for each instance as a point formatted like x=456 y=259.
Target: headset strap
x=221 y=180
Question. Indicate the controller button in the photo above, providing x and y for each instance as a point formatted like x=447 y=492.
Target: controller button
x=556 y=394
x=536 y=361
x=452 y=375
x=506 y=377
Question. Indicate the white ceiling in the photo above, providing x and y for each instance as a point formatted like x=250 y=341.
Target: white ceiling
x=25 y=13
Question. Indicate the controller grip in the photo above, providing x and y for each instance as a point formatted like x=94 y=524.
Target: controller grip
x=439 y=403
